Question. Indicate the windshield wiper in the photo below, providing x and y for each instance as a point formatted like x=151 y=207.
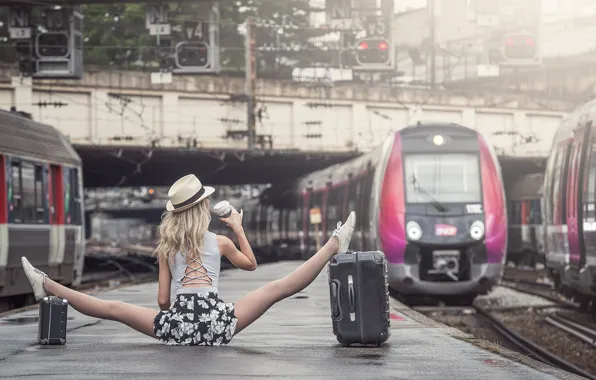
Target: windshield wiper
x=435 y=202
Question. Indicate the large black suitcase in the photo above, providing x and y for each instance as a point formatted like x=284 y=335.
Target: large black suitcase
x=53 y=315
x=359 y=298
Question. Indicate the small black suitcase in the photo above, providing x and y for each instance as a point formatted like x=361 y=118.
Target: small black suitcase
x=359 y=298
x=53 y=313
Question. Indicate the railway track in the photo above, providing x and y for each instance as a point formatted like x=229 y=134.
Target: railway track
x=540 y=290
x=529 y=348
x=527 y=281
x=511 y=339
x=578 y=330
x=517 y=274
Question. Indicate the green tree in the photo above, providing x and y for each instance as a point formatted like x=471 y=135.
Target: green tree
x=284 y=26
x=115 y=34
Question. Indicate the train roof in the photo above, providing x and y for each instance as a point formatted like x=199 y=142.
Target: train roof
x=437 y=124
x=528 y=187
x=340 y=172
x=21 y=136
x=572 y=119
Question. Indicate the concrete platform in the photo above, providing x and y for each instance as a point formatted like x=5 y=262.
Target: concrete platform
x=293 y=340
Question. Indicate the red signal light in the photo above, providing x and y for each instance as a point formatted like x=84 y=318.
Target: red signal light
x=383 y=45
x=363 y=45
x=151 y=191
x=530 y=41
x=510 y=41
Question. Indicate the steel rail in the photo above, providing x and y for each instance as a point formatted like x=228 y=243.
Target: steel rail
x=578 y=330
x=531 y=348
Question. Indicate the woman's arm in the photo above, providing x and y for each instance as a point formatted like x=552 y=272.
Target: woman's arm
x=165 y=282
x=243 y=258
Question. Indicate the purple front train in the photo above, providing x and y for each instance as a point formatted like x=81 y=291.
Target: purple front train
x=441 y=212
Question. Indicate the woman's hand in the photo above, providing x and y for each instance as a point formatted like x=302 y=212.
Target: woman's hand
x=234 y=221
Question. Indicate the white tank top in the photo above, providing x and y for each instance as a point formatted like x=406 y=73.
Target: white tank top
x=210 y=260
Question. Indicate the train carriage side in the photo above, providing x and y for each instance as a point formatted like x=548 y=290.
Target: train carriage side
x=570 y=199
x=441 y=219
x=41 y=210
x=336 y=191
x=525 y=240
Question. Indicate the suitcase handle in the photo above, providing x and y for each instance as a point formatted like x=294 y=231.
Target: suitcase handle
x=335 y=300
x=351 y=295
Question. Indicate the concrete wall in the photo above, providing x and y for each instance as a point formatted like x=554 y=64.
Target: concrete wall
x=105 y=108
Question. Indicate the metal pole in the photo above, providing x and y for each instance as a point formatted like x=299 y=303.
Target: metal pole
x=250 y=83
x=433 y=57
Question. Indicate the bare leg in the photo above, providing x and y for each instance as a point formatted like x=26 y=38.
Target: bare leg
x=250 y=307
x=137 y=317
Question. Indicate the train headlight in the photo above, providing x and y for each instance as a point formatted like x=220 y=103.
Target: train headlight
x=477 y=230
x=413 y=231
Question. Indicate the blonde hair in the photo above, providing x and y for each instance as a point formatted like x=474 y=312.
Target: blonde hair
x=183 y=232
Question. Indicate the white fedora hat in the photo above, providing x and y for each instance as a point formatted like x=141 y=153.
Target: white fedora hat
x=187 y=192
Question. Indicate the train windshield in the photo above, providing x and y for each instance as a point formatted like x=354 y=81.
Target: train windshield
x=448 y=178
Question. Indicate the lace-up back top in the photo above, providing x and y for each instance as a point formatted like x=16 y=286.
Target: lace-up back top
x=203 y=270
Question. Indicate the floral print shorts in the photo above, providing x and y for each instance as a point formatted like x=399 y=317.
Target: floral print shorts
x=196 y=319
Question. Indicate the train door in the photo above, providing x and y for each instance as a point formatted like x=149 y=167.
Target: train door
x=3 y=219
x=364 y=217
x=314 y=231
x=324 y=211
x=354 y=203
x=524 y=226
x=258 y=227
x=588 y=203
x=574 y=194
x=283 y=225
x=334 y=202
x=557 y=234
x=302 y=227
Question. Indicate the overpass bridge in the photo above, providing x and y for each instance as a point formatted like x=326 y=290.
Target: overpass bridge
x=132 y=132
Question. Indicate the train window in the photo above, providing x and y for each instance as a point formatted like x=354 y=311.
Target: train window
x=17 y=198
x=28 y=192
x=515 y=213
x=40 y=206
x=315 y=200
x=333 y=207
x=560 y=185
x=353 y=194
x=590 y=189
x=535 y=212
x=292 y=221
x=72 y=202
x=510 y=212
x=365 y=199
x=302 y=215
x=444 y=177
x=548 y=189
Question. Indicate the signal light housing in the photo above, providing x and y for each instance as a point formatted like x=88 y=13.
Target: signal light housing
x=374 y=51
x=520 y=49
x=53 y=45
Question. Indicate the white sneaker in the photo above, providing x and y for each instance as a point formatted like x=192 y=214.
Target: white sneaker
x=36 y=278
x=344 y=232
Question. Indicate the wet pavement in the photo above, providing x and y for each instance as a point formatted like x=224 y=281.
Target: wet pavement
x=294 y=339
